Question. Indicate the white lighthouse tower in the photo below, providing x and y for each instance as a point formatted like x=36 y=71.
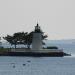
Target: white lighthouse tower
x=37 y=39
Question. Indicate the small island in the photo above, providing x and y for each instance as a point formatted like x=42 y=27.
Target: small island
x=34 y=43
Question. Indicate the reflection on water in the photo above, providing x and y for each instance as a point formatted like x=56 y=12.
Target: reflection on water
x=37 y=66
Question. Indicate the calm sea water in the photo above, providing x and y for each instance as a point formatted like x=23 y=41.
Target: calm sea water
x=39 y=65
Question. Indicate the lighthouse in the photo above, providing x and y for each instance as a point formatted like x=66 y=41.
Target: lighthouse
x=37 y=39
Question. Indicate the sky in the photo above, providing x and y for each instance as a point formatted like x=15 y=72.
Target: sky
x=55 y=17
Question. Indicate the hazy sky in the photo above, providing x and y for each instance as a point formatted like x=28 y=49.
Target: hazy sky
x=56 y=17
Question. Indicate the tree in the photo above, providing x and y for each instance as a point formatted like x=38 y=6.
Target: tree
x=44 y=36
x=22 y=38
x=17 y=38
x=29 y=39
x=0 y=43
x=9 y=39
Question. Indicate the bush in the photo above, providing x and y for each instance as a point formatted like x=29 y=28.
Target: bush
x=52 y=47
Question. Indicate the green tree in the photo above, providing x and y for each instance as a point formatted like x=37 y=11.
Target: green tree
x=9 y=39
x=17 y=38
x=29 y=39
x=22 y=38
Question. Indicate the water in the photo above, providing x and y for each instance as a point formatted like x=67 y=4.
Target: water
x=39 y=65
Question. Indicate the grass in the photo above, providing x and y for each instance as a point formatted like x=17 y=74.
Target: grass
x=4 y=49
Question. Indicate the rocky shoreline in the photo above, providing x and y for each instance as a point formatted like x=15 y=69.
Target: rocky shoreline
x=35 y=54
